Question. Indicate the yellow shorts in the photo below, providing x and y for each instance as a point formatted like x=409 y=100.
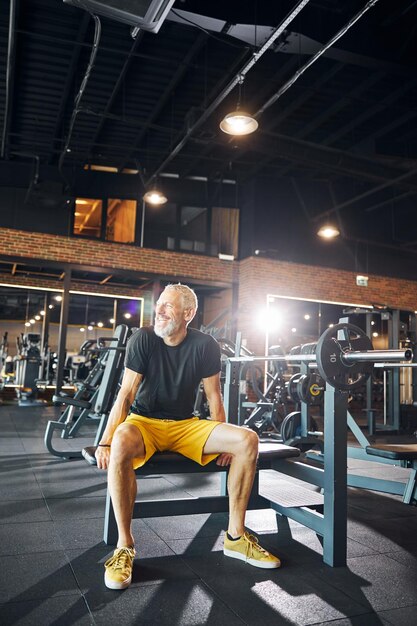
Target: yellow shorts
x=188 y=437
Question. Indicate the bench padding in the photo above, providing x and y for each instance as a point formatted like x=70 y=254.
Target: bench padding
x=397 y=451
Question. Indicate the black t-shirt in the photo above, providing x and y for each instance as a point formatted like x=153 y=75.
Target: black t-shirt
x=171 y=374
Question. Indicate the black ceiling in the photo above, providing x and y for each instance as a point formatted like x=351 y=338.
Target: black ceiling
x=348 y=121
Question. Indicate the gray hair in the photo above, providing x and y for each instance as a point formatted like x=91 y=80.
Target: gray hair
x=189 y=297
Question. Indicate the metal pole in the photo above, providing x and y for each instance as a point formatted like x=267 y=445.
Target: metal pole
x=142 y=229
x=335 y=477
x=63 y=323
x=114 y=314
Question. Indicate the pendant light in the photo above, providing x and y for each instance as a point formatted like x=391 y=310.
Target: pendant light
x=328 y=231
x=239 y=122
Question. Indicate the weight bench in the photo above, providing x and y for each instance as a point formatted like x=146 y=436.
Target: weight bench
x=406 y=455
x=173 y=463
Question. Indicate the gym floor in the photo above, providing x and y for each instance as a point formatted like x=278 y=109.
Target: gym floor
x=52 y=552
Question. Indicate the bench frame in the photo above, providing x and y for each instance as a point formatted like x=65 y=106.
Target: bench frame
x=172 y=463
x=383 y=454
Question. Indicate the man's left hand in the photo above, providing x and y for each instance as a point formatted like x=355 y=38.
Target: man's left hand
x=224 y=459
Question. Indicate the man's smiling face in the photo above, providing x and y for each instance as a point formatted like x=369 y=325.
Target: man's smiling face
x=169 y=314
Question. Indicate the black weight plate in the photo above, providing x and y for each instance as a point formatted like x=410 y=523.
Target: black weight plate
x=292 y=388
x=310 y=389
x=291 y=426
x=330 y=351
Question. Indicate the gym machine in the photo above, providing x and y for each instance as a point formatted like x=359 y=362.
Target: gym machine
x=94 y=398
x=344 y=358
x=27 y=369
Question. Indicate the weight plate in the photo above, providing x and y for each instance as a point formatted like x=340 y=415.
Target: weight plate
x=292 y=388
x=334 y=343
x=310 y=389
x=291 y=426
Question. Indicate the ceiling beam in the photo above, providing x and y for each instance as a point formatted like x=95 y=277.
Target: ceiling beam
x=369 y=111
x=239 y=76
x=69 y=83
x=11 y=55
x=199 y=43
x=115 y=92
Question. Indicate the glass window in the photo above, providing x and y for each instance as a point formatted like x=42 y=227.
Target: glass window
x=225 y=231
x=121 y=220
x=193 y=229
x=160 y=226
x=87 y=217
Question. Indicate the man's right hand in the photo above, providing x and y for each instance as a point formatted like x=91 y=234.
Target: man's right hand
x=102 y=455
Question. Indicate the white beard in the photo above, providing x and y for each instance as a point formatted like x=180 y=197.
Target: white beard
x=168 y=330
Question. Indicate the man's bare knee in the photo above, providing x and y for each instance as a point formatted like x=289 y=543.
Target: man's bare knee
x=127 y=443
x=249 y=443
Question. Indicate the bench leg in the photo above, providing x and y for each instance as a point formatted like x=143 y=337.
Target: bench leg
x=110 y=526
x=410 y=491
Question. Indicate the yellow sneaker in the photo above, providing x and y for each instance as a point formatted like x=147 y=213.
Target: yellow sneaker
x=119 y=567
x=247 y=549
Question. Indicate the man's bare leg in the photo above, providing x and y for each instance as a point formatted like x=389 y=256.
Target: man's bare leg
x=242 y=444
x=126 y=445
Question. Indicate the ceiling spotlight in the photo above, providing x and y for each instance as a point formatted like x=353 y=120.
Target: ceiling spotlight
x=328 y=231
x=238 y=123
x=155 y=197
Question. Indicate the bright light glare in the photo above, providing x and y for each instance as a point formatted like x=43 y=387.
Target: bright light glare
x=112 y=320
x=269 y=320
x=127 y=316
x=82 y=330
x=100 y=324
x=307 y=316
x=58 y=298
x=328 y=231
x=375 y=334
x=238 y=123
x=155 y=197
x=293 y=330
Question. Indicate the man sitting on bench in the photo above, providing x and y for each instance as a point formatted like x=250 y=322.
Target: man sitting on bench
x=153 y=411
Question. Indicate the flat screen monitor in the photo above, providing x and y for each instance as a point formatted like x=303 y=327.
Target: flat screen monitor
x=146 y=14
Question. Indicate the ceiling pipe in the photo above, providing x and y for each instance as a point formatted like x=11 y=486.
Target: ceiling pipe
x=11 y=46
x=314 y=58
x=225 y=92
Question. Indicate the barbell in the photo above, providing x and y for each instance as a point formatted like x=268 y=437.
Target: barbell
x=344 y=356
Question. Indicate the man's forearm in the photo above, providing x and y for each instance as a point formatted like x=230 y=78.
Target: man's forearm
x=118 y=414
x=217 y=412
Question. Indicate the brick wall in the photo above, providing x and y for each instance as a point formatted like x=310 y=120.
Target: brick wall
x=256 y=277
x=113 y=256
x=259 y=277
